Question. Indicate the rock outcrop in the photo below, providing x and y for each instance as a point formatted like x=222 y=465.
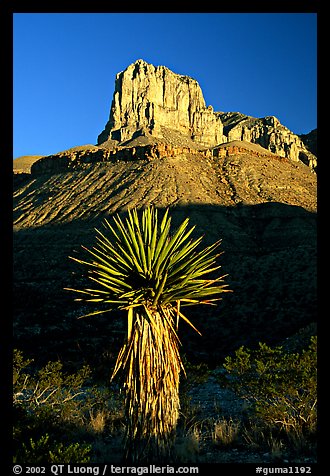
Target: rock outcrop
x=82 y=157
x=237 y=147
x=157 y=113
x=70 y=159
x=23 y=164
x=269 y=133
x=310 y=141
x=153 y=99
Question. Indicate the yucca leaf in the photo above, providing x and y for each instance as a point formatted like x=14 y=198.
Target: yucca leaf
x=128 y=244
x=181 y=236
x=188 y=322
x=168 y=251
x=110 y=227
x=185 y=251
x=105 y=240
x=197 y=263
x=111 y=281
x=142 y=250
x=102 y=264
x=136 y=249
x=120 y=362
x=112 y=290
x=164 y=232
x=129 y=322
x=190 y=291
x=108 y=247
x=165 y=221
x=175 y=239
x=169 y=247
x=159 y=290
x=169 y=315
x=128 y=237
x=94 y=313
x=120 y=259
x=188 y=257
x=154 y=231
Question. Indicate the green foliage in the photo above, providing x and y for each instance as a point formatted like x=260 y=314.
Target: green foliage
x=19 y=364
x=50 y=392
x=52 y=408
x=196 y=373
x=281 y=386
x=141 y=264
x=43 y=450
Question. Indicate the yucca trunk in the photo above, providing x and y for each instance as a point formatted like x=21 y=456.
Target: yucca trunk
x=151 y=365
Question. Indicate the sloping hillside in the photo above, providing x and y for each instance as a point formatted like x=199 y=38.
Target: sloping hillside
x=263 y=209
x=23 y=164
x=104 y=188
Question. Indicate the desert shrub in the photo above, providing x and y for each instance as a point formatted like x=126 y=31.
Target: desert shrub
x=280 y=386
x=49 y=392
x=53 y=408
x=44 y=450
x=195 y=373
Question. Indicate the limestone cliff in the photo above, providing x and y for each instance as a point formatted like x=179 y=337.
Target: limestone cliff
x=267 y=132
x=154 y=100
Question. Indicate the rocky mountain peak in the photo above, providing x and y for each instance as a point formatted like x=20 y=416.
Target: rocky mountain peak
x=269 y=133
x=155 y=111
x=153 y=100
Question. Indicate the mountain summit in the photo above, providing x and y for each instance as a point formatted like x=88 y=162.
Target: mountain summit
x=153 y=106
x=153 y=101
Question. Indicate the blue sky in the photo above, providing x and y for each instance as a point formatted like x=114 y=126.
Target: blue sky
x=65 y=65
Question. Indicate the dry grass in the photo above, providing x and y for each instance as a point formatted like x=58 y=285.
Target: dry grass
x=98 y=421
x=187 y=447
x=225 y=432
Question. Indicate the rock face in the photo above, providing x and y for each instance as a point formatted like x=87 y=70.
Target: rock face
x=70 y=159
x=83 y=186
x=269 y=133
x=153 y=99
x=23 y=164
x=135 y=150
x=310 y=141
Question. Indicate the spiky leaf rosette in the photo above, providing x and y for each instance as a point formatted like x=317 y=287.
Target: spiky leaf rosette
x=142 y=264
x=139 y=265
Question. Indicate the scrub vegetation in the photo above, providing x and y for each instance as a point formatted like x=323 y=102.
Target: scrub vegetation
x=141 y=266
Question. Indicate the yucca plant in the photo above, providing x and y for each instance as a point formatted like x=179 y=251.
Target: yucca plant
x=140 y=266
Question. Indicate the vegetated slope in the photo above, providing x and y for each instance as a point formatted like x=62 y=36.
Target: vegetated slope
x=263 y=209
